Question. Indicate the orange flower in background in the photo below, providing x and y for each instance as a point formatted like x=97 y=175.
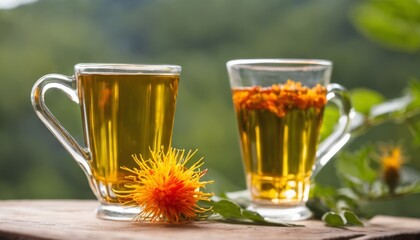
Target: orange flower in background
x=391 y=160
x=164 y=188
x=280 y=98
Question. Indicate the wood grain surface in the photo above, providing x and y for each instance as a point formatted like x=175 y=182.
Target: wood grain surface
x=75 y=219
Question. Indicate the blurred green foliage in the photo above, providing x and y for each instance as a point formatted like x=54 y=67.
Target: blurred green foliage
x=395 y=24
x=51 y=36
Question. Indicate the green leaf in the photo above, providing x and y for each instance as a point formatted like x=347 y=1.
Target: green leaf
x=351 y=218
x=228 y=209
x=364 y=99
x=333 y=219
x=253 y=216
x=233 y=213
x=355 y=167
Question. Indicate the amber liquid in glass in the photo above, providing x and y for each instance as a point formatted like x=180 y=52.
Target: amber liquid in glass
x=278 y=140
x=124 y=114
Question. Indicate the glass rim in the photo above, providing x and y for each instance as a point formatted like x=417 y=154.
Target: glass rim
x=288 y=64
x=129 y=68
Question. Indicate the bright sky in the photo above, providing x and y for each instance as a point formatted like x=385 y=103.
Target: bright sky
x=9 y=4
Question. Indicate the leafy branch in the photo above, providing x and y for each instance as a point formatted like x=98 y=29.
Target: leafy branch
x=374 y=172
x=393 y=24
x=363 y=180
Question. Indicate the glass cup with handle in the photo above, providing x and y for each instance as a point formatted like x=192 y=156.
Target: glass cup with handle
x=279 y=106
x=126 y=109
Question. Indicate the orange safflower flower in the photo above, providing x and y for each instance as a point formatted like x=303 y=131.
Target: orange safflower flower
x=391 y=160
x=280 y=98
x=164 y=188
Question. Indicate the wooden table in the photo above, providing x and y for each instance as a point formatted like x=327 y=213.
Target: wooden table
x=75 y=219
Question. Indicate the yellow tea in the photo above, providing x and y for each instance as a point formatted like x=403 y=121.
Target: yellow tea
x=279 y=128
x=124 y=114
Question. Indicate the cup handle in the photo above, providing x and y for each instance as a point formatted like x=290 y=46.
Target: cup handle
x=338 y=95
x=67 y=85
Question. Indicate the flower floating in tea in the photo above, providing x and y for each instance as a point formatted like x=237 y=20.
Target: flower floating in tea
x=165 y=188
x=280 y=98
x=391 y=160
